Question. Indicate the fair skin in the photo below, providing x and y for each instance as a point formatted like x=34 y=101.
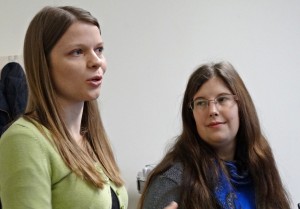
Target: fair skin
x=172 y=205
x=77 y=68
x=215 y=125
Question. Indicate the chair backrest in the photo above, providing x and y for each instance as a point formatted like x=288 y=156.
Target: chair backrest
x=13 y=94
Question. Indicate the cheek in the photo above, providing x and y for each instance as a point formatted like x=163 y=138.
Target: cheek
x=235 y=120
x=57 y=67
x=199 y=120
x=59 y=75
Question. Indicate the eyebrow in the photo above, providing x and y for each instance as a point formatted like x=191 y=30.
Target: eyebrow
x=73 y=45
x=83 y=44
x=223 y=93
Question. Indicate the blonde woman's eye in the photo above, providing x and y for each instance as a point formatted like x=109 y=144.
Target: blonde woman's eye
x=77 y=52
x=99 y=50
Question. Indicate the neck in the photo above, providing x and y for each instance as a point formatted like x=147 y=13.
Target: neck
x=226 y=153
x=72 y=115
x=226 y=157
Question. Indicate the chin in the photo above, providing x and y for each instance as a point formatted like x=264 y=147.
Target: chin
x=92 y=97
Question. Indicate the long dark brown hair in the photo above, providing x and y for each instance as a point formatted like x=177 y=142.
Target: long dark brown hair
x=44 y=31
x=197 y=157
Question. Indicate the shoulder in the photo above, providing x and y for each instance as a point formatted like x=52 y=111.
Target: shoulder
x=25 y=128
x=22 y=135
x=169 y=180
x=21 y=126
x=164 y=188
x=174 y=173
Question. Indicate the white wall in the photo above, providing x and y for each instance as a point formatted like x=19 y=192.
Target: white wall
x=153 y=46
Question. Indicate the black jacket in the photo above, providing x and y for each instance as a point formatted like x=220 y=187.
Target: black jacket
x=13 y=94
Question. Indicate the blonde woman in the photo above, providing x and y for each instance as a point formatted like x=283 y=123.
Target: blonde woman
x=57 y=155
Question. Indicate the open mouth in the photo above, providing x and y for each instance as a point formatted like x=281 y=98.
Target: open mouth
x=95 y=81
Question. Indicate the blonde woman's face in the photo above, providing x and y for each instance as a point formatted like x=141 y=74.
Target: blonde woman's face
x=78 y=64
x=217 y=124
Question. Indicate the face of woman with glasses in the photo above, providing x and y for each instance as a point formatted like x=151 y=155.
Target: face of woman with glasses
x=215 y=111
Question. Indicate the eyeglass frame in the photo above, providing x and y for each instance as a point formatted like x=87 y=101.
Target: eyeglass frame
x=191 y=104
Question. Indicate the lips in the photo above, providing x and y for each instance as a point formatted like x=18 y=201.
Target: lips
x=95 y=81
x=95 y=78
x=212 y=124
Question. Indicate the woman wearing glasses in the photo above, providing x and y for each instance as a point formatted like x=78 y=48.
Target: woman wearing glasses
x=221 y=159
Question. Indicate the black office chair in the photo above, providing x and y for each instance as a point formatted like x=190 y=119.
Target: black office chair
x=298 y=205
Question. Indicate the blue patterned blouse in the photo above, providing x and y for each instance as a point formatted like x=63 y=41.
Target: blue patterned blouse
x=240 y=193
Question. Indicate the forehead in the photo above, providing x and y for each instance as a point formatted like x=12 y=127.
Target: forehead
x=212 y=88
x=80 y=32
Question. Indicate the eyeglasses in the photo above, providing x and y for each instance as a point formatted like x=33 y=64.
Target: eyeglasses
x=222 y=101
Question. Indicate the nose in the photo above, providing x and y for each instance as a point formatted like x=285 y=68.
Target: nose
x=95 y=61
x=213 y=109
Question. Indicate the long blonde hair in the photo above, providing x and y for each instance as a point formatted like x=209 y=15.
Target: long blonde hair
x=45 y=29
